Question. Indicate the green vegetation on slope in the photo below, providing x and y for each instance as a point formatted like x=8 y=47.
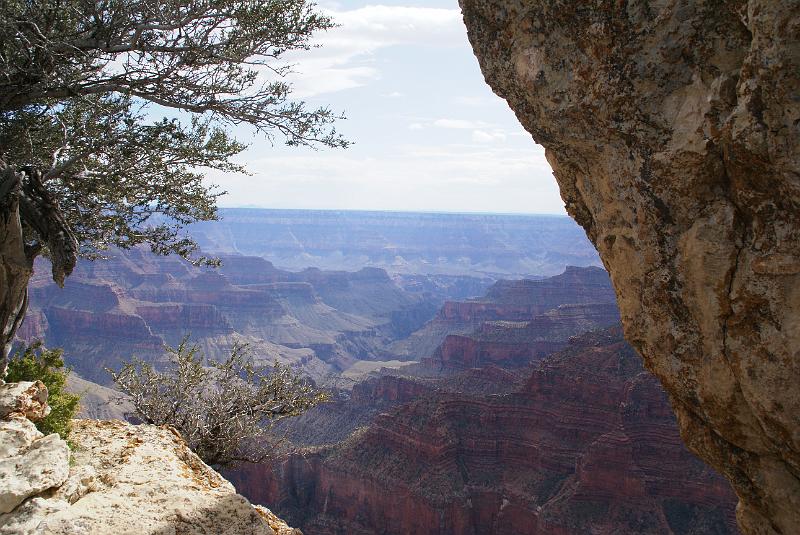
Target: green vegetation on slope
x=36 y=362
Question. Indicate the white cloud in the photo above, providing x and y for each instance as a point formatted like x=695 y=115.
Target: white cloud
x=477 y=102
x=345 y=58
x=459 y=124
x=416 y=126
x=482 y=136
x=413 y=177
x=394 y=94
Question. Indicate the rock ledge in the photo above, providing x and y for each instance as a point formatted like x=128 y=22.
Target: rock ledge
x=121 y=479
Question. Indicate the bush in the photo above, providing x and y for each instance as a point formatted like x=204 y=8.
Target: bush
x=47 y=365
x=224 y=410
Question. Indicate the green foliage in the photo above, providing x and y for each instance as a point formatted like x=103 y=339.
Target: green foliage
x=224 y=410
x=138 y=182
x=84 y=82
x=47 y=365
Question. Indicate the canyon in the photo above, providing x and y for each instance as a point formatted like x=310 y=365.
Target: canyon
x=461 y=403
x=585 y=441
x=537 y=418
x=135 y=302
x=494 y=245
x=672 y=130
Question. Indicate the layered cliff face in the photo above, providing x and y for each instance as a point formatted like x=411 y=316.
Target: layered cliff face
x=117 y=479
x=586 y=443
x=534 y=303
x=673 y=129
x=135 y=302
x=518 y=343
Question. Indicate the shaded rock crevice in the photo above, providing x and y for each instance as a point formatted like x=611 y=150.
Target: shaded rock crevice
x=673 y=130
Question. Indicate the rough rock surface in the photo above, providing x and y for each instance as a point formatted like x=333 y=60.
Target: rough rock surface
x=135 y=479
x=26 y=399
x=29 y=461
x=121 y=479
x=673 y=129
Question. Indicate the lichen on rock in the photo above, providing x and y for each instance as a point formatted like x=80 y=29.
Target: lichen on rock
x=673 y=130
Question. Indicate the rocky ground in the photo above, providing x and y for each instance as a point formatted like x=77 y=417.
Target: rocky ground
x=117 y=479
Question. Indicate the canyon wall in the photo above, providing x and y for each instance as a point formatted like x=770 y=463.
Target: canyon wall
x=585 y=442
x=673 y=129
x=579 y=299
x=135 y=302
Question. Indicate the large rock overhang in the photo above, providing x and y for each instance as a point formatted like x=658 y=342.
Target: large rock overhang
x=673 y=130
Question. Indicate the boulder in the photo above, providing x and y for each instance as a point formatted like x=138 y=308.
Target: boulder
x=44 y=464
x=28 y=399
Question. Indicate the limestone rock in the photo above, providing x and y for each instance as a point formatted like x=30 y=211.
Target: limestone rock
x=129 y=479
x=26 y=518
x=30 y=462
x=42 y=465
x=279 y=526
x=28 y=399
x=16 y=435
x=673 y=129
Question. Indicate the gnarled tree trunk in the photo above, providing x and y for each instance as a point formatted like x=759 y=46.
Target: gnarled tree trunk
x=25 y=203
x=16 y=267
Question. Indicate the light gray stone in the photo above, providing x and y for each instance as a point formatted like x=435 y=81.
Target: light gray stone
x=141 y=480
x=42 y=466
x=16 y=435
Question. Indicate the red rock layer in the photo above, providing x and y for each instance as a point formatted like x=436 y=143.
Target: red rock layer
x=81 y=325
x=587 y=445
x=579 y=299
x=513 y=344
x=185 y=317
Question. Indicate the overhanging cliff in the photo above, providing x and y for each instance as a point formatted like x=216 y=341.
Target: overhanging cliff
x=673 y=129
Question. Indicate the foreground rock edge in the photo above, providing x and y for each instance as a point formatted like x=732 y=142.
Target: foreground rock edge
x=119 y=479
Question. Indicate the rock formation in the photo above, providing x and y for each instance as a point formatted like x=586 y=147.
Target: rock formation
x=523 y=301
x=518 y=343
x=587 y=443
x=119 y=479
x=135 y=302
x=673 y=129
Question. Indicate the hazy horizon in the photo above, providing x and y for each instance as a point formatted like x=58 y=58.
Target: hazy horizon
x=396 y=211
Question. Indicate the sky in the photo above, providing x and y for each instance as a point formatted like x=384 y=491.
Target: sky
x=428 y=134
